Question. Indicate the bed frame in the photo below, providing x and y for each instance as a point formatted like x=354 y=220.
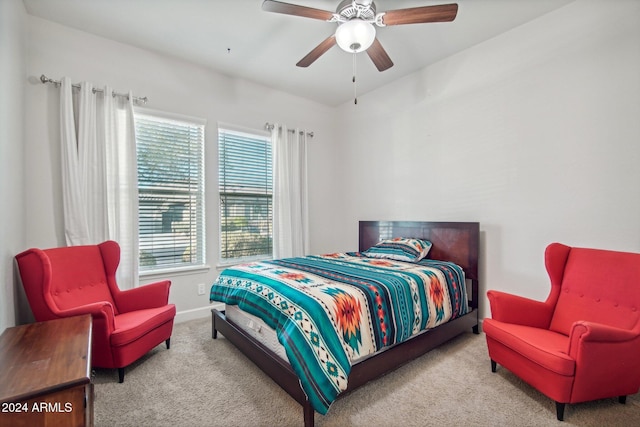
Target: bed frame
x=452 y=241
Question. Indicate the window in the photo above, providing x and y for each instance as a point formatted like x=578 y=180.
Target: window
x=246 y=188
x=170 y=152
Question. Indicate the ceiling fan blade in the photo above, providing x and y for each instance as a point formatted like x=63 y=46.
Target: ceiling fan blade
x=293 y=9
x=327 y=44
x=379 y=56
x=419 y=15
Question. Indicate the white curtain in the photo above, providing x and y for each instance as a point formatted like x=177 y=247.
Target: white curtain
x=290 y=199
x=99 y=174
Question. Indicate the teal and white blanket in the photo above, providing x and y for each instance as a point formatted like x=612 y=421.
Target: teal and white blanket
x=332 y=309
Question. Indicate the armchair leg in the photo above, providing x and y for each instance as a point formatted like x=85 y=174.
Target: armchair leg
x=622 y=399
x=560 y=411
x=168 y=343
x=494 y=365
x=120 y=375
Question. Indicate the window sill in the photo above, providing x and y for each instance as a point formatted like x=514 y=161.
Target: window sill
x=223 y=265
x=176 y=271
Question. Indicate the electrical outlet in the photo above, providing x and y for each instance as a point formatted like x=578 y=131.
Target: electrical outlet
x=201 y=289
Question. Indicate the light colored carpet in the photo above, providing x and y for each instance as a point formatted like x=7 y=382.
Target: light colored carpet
x=206 y=382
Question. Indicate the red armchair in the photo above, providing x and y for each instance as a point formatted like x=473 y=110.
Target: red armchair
x=75 y=280
x=583 y=342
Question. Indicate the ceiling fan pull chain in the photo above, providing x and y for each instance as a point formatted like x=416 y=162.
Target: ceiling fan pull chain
x=355 y=90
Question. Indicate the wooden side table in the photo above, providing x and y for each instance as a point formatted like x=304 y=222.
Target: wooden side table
x=45 y=374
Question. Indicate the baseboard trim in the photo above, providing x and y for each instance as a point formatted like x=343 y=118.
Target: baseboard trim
x=196 y=313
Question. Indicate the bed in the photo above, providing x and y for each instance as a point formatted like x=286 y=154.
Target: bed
x=455 y=247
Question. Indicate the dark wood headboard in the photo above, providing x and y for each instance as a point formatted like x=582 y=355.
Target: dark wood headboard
x=458 y=242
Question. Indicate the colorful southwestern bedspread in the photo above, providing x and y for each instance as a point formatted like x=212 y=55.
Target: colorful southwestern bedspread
x=331 y=309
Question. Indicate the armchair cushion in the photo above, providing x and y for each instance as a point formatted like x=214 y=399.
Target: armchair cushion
x=541 y=346
x=134 y=324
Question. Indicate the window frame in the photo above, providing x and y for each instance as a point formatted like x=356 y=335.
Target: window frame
x=200 y=262
x=255 y=134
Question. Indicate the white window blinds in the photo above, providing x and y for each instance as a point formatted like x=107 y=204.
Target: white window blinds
x=170 y=154
x=246 y=188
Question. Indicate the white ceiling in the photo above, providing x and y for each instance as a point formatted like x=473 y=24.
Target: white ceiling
x=237 y=38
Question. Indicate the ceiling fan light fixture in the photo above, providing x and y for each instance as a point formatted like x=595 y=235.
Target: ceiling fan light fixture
x=355 y=35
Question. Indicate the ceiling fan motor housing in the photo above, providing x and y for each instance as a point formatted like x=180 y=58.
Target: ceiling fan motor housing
x=355 y=33
x=350 y=9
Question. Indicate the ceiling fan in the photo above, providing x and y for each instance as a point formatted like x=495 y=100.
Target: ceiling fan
x=356 y=30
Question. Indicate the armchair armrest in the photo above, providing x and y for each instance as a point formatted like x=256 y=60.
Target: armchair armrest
x=606 y=359
x=583 y=331
x=100 y=311
x=511 y=308
x=146 y=296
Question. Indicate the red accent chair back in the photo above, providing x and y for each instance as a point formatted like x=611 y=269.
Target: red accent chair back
x=75 y=280
x=583 y=342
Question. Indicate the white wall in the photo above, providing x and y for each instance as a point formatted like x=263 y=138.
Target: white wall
x=171 y=85
x=535 y=134
x=12 y=84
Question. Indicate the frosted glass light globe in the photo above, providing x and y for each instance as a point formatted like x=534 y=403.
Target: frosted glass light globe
x=355 y=35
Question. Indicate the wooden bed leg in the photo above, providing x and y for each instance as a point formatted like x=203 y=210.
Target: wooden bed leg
x=476 y=330
x=214 y=331
x=309 y=414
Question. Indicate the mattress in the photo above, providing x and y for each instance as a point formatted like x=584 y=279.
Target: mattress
x=262 y=332
x=255 y=327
